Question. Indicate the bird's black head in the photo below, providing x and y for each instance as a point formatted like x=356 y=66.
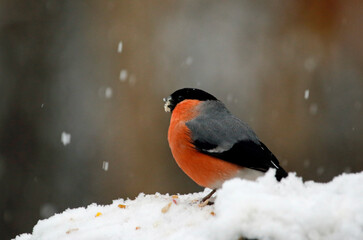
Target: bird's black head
x=185 y=94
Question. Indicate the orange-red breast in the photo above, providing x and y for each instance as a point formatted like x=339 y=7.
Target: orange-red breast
x=210 y=144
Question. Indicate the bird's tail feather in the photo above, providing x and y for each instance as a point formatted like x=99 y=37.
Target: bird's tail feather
x=280 y=173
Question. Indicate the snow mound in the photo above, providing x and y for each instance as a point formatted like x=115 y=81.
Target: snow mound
x=264 y=209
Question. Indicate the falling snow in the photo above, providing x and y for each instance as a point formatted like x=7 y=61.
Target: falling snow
x=119 y=47
x=229 y=97
x=310 y=64
x=306 y=94
x=320 y=171
x=132 y=80
x=47 y=210
x=105 y=165
x=108 y=92
x=313 y=109
x=65 y=138
x=306 y=163
x=123 y=75
x=189 y=61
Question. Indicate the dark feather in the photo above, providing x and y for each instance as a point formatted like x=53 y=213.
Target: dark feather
x=246 y=154
x=219 y=134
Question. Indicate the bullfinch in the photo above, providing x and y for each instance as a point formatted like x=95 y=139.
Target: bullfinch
x=211 y=145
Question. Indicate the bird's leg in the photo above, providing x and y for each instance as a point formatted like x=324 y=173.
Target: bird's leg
x=206 y=198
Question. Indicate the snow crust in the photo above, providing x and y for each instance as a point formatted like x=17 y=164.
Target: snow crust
x=262 y=209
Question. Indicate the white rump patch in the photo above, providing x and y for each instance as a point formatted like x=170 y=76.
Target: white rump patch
x=244 y=173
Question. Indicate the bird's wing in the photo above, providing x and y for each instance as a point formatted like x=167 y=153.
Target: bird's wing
x=226 y=137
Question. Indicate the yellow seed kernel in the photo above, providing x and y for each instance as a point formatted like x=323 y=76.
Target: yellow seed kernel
x=166 y=208
x=72 y=230
x=121 y=206
x=98 y=214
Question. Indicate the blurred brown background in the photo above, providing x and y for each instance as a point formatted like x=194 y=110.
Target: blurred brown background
x=62 y=70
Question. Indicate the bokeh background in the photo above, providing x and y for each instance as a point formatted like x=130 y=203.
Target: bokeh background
x=98 y=70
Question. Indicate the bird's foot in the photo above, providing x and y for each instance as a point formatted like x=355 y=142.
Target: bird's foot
x=209 y=195
x=205 y=203
x=206 y=200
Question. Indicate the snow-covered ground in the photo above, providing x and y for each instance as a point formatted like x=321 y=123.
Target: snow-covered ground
x=263 y=209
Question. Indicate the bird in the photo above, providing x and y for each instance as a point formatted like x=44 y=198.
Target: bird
x=211 y=145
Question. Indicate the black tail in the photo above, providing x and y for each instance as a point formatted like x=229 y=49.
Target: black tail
x=280 y=173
